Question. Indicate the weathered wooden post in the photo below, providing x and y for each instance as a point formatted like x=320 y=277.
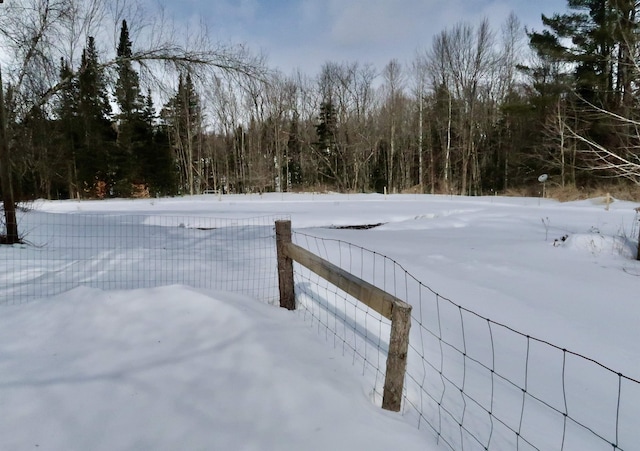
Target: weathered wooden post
x=638 y=255
x=285 y=265
x=385 y=304
x=397 y=356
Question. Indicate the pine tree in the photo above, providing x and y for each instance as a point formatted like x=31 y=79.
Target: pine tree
x=153 y=152
x=69 y=127
x=597 y=42
x=326 y=128
x=127 y=92
x=94 y=156
x=183 y=118
x=596 y=39
x=294 y=152
x=135 y=128
x=326 y=145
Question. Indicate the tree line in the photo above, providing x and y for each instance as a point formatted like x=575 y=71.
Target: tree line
x=480 y=111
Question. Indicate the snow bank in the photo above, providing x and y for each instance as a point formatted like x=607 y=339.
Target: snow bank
x=174 y=368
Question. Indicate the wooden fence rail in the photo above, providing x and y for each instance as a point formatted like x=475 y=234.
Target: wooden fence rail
x=385 y=304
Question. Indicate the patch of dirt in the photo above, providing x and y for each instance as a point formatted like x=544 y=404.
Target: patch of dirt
x=358 y=227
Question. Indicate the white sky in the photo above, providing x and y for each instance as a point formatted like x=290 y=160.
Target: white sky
x=305 y=34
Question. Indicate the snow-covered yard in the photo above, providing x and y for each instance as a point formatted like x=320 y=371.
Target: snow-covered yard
x=175 y=367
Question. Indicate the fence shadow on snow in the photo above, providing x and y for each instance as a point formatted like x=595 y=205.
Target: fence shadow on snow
x=473 y=383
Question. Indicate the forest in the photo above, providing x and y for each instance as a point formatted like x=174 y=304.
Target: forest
x=481 y=110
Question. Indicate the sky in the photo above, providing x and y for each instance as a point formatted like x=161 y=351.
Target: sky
x=304 y=34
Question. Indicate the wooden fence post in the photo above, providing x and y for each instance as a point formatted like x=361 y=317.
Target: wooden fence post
x=285 y=265
x=638 y=256
x=637 y=212
x=397 y=357
x=388 y=306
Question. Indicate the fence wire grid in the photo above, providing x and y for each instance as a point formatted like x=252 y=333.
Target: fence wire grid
x=475 y=384
x=64 y=251
x=471 y=382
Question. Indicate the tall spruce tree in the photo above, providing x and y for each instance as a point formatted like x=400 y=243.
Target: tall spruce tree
x=94 y=171
x=326 y=144
x=155 y=159
x=127 y=92
x=68 y=131
x=293 y=169
x=135 y=130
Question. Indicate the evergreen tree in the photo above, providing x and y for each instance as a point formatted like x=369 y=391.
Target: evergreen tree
x=127 y=92
x=97 y=136
x=326 y=128
x=183 y=117
x=164 y=179
x=135 y=128
x=68 y=130
x=597 y=39
x=597 y=42
x=154 y=156
x=294 y=152
x=326 y=145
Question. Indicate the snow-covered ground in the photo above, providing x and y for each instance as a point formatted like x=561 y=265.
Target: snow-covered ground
x=178 y=368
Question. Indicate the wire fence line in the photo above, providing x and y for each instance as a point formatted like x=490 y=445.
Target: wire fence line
x=474 y=383
x=64 y=251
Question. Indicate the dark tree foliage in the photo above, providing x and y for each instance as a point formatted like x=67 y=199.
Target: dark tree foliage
x=182 y=116
x=68 y=131
x=135 y=134
x=326 y=144
x=545 y=120
x=293 y=169
x=588 y=65
x=596 y=39
x=94 y=158
x=127 y=91
x=326 y=128
x=154 y=155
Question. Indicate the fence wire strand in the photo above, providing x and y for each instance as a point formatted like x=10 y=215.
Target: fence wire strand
x=474 y=383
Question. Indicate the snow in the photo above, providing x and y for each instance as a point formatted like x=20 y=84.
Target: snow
x=174 y=367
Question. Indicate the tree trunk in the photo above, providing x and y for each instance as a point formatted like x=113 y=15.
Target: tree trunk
x=11 y=224
x=447 y=158
x=420 y=144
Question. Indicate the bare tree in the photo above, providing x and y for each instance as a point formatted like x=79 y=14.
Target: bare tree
x=347 y=89
x=420 y=75
x=620 y=161
x=436 y=62
x=507 y=61
x=393 y=91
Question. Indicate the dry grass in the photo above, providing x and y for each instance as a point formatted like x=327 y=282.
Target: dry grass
x=617 y=191
x=620 y=191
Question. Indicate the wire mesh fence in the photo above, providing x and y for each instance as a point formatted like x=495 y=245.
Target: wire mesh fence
x=474 y=383
x=64 y=251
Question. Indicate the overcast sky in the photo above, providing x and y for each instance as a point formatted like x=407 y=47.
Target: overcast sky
x=305 y=34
